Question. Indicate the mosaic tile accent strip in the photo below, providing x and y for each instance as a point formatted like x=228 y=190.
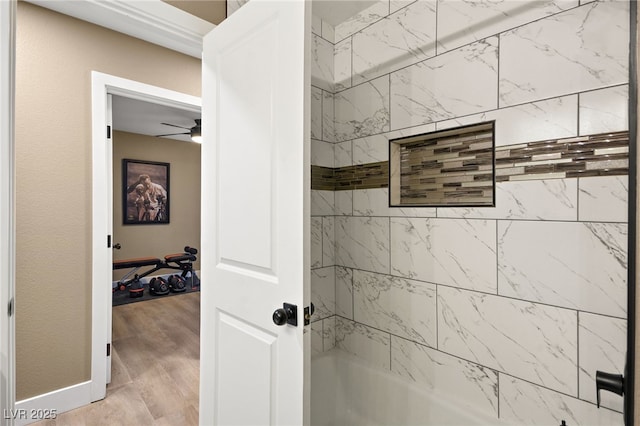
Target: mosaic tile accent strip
x=605 y=154
x=360 y=176
x=323 y=178
x=447 y=167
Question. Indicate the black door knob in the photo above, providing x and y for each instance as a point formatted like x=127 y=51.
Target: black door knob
x=280 y=317
x=288 y=314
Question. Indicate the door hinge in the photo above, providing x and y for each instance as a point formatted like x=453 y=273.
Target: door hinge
x=10 y=311
x=108 y=349
x=108 y=132
x=108 y=241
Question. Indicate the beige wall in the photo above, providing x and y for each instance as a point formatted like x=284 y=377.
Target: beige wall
x=55 y=55
x=184 y=198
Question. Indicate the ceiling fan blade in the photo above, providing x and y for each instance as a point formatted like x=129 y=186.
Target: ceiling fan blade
x=173 y=125
x=173 y=134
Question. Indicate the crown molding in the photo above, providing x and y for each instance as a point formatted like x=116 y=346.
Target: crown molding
x=150 y=20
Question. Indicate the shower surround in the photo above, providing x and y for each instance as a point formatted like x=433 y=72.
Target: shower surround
x=510 y=309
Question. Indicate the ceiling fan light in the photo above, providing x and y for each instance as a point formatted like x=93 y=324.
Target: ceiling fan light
x=196 y=134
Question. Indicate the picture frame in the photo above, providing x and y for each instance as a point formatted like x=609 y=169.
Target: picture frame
x=145 y=192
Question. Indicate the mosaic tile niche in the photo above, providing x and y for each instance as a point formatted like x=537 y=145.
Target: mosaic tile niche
x=453 y=167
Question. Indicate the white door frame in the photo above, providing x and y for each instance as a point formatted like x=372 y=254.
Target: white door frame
x=7 y=207
x=102 y=174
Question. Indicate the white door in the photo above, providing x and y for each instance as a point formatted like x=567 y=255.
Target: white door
x=255 y=216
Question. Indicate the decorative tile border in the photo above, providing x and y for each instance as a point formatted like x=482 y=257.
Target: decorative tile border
x=323 y=178
x=360 y=176
x=605 y=154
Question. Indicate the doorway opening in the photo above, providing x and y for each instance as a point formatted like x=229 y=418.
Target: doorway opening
x=155 y=337
x=107 y=222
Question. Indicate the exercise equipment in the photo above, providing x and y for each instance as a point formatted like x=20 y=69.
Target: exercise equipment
x=136 y=289
x=159 y=286
x=177 y=284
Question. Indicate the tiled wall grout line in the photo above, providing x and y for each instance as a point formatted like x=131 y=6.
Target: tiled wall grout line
x=437 y=319
x=578 y=115
x=436 y=38
x=322 y=118
x=488 y=218
x=578 y=353
x=353 y=299
x=482 y=292
x=578 y=200
x=323 y=349
x=556 y=391
x=498 y=392
x=497 y=258
x=351 y=68
x=390 y=354
x=498 y=73
x=322 y=240
x=610 y=86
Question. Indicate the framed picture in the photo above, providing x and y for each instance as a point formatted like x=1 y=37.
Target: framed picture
x=145 y=192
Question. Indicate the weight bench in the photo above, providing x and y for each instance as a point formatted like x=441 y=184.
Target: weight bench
x=177 y=261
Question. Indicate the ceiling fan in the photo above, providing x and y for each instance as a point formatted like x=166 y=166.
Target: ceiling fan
x=195 y=132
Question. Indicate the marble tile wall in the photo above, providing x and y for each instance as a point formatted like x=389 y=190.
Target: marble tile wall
x=233 y=5
x=510 y=308
x=375 y=50
x=326 y=277
x=579 y=63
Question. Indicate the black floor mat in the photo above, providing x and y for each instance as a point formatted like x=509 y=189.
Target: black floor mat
x=121 y=297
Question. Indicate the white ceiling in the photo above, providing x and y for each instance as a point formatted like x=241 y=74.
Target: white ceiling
x=135 y=116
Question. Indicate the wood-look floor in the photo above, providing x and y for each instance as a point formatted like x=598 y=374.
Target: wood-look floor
x=155 y=372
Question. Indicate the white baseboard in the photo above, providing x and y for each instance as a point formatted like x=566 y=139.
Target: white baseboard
x=51 y=404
